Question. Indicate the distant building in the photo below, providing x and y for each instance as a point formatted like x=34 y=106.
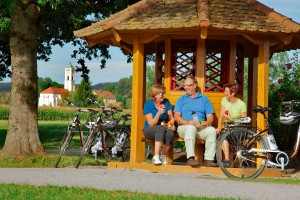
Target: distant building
x=69 y=78
x=108 y=98
x=52 y=96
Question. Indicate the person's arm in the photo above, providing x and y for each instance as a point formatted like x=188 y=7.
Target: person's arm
x=180 y=120
x=209 y=119
x=220 y=119
x=244 y=114
x=153 y=121
x=170 y=116
x=171 y=119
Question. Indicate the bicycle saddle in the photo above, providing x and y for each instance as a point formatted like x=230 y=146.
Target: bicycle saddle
x=260 y=109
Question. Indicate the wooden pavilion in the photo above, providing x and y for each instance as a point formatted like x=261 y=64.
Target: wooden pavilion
x=211 y=39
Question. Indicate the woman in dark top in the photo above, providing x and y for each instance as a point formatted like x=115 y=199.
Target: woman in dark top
x=159 y=123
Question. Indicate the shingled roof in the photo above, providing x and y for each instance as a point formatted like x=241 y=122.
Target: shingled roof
x=240 y=15
x=53 y=90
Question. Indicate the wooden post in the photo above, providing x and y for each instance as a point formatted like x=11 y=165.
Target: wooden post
x=167 y=72
x=137 y=148
x=252 y=88
x=232 y=61
x=263 y=79
x=201 y=64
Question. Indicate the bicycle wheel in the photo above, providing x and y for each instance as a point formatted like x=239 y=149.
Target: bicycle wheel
x=87 y=145
x=65 y=144
x=243 y=164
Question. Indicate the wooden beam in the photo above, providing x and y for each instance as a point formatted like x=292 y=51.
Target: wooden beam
x=148 y=39
x=263 y=79
x=201 y=64
x=137 y=148
x=252 y=39
x=286 y=39
x=252 y=88
x=116 y=35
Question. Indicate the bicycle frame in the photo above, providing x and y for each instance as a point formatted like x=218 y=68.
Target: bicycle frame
x=282 y=159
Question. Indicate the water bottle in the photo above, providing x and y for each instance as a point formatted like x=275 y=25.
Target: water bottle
x=195 y=117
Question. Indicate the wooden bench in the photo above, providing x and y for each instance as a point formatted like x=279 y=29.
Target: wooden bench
x=199 y=149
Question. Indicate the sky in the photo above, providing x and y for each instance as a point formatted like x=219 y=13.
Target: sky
x=117 y=66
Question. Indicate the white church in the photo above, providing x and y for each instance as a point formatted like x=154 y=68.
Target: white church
x=52 y=96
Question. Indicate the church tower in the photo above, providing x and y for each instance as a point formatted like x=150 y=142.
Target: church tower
x=69 y=78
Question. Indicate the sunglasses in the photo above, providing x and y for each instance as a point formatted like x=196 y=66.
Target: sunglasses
x=188 y=85
x=162 y=94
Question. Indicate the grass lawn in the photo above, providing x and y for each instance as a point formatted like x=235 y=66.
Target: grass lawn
x=51 y=133
x=11 y=191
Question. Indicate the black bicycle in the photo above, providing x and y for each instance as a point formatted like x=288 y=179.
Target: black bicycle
x=73 y=128
x=252 y=149
x=104 y=134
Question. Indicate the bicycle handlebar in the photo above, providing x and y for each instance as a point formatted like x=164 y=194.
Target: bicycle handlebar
x=292 y=102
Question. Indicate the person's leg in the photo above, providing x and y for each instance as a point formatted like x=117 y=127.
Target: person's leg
x=157 y=133
x=168 y=140
x=209 y=135
x=225 y=148
x=169 y=136
x=188 y=133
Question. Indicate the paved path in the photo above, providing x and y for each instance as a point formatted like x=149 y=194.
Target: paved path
x=146 y=181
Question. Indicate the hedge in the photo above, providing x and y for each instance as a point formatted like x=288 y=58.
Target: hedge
x=50 y=113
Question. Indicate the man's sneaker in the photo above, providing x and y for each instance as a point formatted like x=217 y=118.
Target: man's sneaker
x=210 y=163
x=156 y=160
x=192 y=162
x=164 y=159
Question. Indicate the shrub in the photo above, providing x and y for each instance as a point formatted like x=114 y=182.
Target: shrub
x=286 y=88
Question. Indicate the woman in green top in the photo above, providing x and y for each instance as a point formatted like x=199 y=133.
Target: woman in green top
x=231 y=108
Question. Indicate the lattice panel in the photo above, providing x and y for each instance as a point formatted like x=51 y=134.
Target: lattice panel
x=216 y=70
x=184 y=65
x=239 y=67
x=159 y=63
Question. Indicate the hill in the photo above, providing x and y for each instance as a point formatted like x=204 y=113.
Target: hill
x=5 y=87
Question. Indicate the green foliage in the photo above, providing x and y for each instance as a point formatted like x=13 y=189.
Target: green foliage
x=4 y=98
x=83 y=92
x=110 y=87
x=56 y=28
x=44 y=83
x=278 y=60
x=20 y=192
x=99 y=86
x=4 y=112
x=150 y=76
x=284 y=88
x=48 y=113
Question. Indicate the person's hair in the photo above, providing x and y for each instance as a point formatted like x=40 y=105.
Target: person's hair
x=233 y=87
x=194 y=81
x=156 y=89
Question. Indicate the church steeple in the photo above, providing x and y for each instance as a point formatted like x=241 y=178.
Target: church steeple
x=70 y=78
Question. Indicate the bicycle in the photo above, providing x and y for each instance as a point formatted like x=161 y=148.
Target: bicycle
x=106 y=138
x=121 y=146
x=75 y=126
x=252 y=149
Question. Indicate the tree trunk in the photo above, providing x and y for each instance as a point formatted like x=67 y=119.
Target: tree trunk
x=22 y=137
